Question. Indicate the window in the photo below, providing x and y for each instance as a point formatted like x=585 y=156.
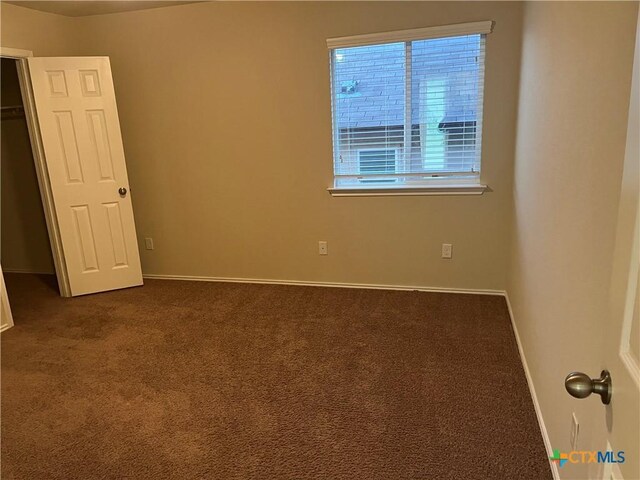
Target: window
x=407 y=107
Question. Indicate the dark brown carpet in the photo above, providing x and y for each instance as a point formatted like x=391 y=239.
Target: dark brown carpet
x=231 y=381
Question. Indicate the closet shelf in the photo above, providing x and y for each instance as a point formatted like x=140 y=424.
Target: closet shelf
x=12 y=111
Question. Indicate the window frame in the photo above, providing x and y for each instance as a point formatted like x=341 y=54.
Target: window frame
x=430 y=183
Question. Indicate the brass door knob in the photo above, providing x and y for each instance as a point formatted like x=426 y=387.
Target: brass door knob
x=579 y=385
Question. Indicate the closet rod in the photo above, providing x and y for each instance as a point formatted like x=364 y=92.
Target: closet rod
x=13 y=111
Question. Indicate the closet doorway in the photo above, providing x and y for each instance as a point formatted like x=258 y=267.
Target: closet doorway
x=24 y=239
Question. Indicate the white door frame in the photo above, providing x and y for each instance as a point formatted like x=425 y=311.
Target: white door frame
x=39 y=159
x=6 y=318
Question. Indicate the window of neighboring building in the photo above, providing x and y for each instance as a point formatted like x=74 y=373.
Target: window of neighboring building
x=410 y=109
x=374 y=162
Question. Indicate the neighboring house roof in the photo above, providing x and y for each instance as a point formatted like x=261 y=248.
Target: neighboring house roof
x=370 y=82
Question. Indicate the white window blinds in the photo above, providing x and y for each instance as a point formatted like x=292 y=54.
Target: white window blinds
x=420 y=98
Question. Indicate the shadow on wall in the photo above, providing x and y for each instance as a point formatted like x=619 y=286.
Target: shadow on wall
x=24 y=238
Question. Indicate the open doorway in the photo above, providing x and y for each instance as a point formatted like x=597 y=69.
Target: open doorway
x=24 y=240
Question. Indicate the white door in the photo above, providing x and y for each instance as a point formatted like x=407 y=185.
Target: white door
x=622 y=342
x=6 y=320
x=80 y=131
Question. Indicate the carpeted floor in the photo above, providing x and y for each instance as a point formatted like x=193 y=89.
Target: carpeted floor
x=231 y=381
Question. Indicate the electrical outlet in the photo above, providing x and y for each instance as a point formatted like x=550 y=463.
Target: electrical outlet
x=323 y=248
x=575 y=428
x=148 y=243
x=447 y=250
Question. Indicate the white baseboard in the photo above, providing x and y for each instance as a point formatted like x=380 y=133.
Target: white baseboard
x=5 y=326
x=371 y=286
x=532 y=389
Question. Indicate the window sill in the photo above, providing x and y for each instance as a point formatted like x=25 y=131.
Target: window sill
x=404 y=190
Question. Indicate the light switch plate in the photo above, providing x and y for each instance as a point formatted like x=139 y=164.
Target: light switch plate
x=575 y=429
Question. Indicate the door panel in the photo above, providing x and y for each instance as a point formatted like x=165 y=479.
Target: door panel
x=634 y=330
x=85 y=240
x=80 y=131
x=6 y=319
x=621 y=342
x=117 y=234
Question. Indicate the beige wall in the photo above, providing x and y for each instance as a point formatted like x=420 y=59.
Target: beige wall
x=225 y=114
x=572 y=124
x=226 y=120
x=24 y=240
x=45 y=34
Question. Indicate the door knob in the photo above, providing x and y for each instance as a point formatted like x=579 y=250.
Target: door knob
x=579 y=385
x=122 y=191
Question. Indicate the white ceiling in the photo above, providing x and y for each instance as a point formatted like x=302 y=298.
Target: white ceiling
x=82 y=8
